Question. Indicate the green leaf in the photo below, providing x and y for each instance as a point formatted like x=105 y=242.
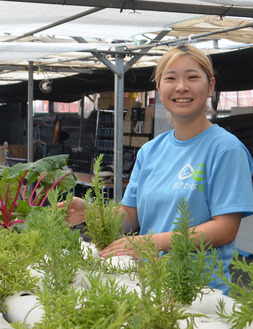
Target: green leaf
x=36 y=168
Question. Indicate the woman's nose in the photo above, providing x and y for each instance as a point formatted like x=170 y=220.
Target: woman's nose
x=182 y=85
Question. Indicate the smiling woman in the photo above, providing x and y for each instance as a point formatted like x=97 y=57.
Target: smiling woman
x=197 y=161
x=184 y=81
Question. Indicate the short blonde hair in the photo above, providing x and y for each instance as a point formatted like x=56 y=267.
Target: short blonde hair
x=179 y=51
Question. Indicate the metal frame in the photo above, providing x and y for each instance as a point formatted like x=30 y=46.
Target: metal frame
x=187 y=8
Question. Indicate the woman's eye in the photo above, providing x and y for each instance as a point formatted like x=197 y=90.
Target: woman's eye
x=193 y=77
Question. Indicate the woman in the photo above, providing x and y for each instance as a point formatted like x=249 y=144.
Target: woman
x=197 y=161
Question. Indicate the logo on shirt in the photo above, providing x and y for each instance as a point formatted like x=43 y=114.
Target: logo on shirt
x=186 y=172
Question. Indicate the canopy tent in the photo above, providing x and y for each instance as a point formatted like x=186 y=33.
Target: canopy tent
x=101 y=48
x=233 y=72
x=115 y=19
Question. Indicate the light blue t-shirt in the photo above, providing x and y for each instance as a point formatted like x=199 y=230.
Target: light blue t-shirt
x=211 y=171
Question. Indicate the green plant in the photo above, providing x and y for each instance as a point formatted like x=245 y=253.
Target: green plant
x=62 y=255
x=241 y=314
x=45 y=173
x=190 y=262
x=61 y=246
x=42 y=175
x=107 y=304
x=17 y=252
x=171 y=282
x=159 y=308
x=104 y=223
x=114 y=304
x=104 y=305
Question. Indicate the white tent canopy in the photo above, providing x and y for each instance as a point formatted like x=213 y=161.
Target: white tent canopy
x=57 y=32
x=108 y=24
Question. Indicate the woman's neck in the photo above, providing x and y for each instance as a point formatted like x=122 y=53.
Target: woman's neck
x=184 y=131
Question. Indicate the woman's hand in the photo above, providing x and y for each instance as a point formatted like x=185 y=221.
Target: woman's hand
x=76 y=211
x=121 y=247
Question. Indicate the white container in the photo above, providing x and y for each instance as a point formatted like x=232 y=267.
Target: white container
x=3 y=323
x=81 y=280
x=23 y=307
x=203 y=322
x=208 y=302
x=120 y=262
x=88 y=248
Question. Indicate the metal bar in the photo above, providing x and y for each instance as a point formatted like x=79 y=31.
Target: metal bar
x=224 y=10
x=30 y=114
x=195 y=37
x=107 y=63
x=62 y=21
x=133 y=60
x=99 y=56
x=81 y=122
x=118 y=127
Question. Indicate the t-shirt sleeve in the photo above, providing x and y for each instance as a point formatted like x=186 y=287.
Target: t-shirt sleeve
x=230 y=186
x=130 y=195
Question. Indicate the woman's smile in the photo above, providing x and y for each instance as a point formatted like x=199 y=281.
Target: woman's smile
x=182 y=100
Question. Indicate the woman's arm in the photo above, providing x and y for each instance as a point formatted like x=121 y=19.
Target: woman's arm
x=130 y=222
x=221 y=230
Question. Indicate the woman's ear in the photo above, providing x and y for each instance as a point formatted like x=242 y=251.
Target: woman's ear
x=211 y=87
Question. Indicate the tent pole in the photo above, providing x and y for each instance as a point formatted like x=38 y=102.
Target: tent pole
x=81 y=122
x=118 y=126
x=62 y=21
x=30 y=115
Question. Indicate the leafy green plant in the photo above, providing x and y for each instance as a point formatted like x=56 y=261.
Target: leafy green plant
x=107 y=304
x=159 y=308
x=17 y=252
x=114 y=304
x=241 y=314
x=42 y=175
x=190 y=262
x=171 y=282
x=62 y=255
x=104 y=305
x=104 y=223
x=61 y=246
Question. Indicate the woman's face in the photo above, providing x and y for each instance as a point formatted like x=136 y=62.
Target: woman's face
x=184 y=88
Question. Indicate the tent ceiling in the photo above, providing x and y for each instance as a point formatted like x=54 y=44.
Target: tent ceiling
x=109 y=23
x=69 y=38
x=228 y=8
x=233 y=71
x=208 y=24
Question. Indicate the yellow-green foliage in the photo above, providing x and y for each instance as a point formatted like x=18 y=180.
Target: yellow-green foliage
x=103 y=221
x=17 y=252
x=242 y=313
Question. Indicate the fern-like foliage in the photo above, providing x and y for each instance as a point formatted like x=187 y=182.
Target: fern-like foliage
x=61 y=246
x=17 y=252
x=159 y=308
x=104 y=223
x=241 y=316
x=190 y=261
